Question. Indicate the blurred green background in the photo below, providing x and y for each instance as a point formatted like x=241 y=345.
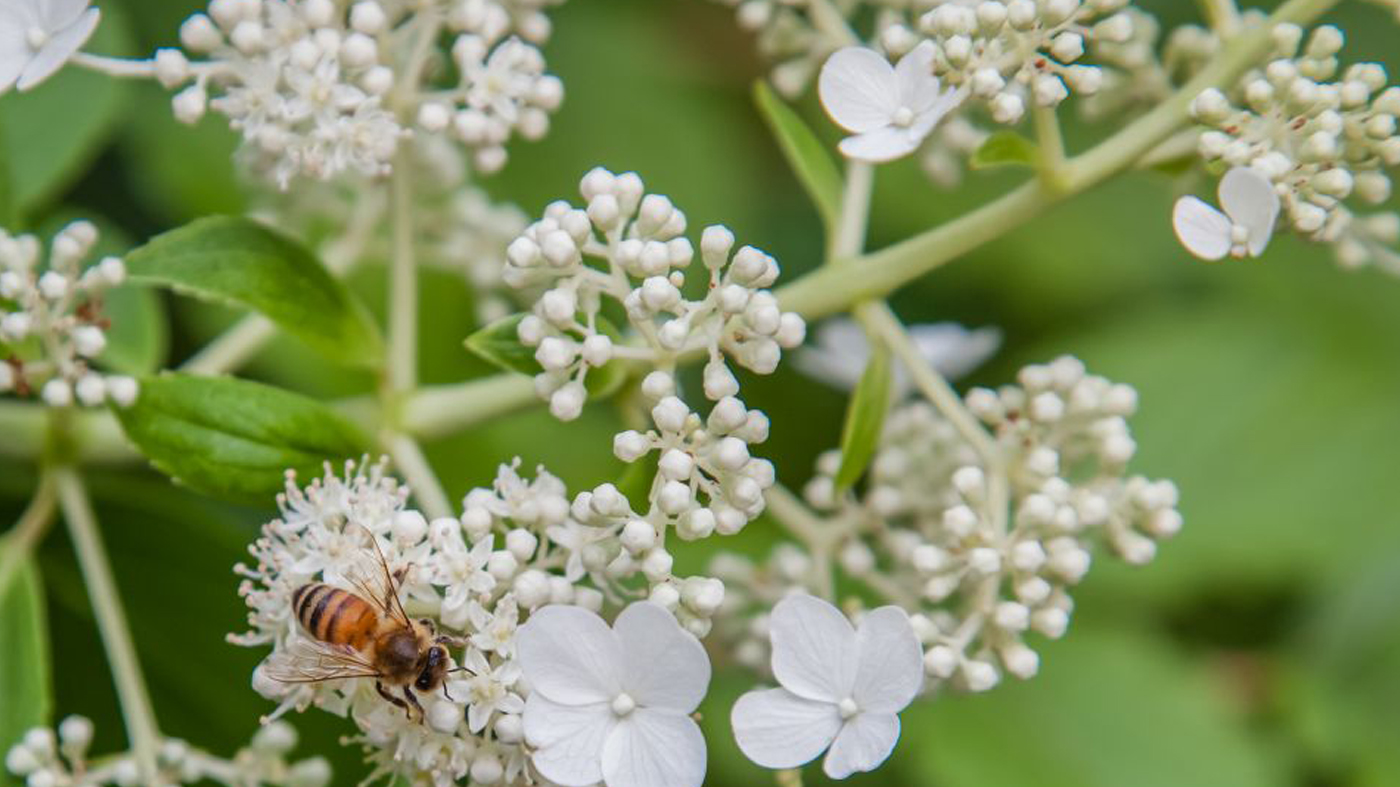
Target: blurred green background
x=1261 y=648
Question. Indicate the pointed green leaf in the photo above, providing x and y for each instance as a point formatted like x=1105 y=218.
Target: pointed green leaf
x=238 y=261
x=499 y=344
x=804 y=152
x=233 y=438
x=24 y=658
x=1004 y=148
x=865 y=417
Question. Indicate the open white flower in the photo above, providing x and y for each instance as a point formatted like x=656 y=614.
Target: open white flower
x=38 y=36
x=842 y=688
x=889 y=109
x=1251 y=206
x=841 y=351
x=613 y=705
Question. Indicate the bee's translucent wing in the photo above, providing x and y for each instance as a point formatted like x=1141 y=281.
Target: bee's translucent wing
x=376 y=584
x=313 y=661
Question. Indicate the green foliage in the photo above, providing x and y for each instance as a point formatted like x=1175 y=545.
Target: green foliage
x=865 y=417
x=238 y=261
x=1002 y=149
x=804 y=152
x=232 y=438
x=24 y=657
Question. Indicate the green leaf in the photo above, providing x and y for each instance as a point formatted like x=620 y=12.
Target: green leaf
x=233 y=438
x=499 y=344
x=1005 y=148
x=865 y=417
x=804 y=152
x=24 y=658
x=1108 y=709
x=53 y=132
x=235 y=260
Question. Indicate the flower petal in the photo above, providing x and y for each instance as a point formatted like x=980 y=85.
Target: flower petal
x=568 y=739
x=863 y=743
x=882 y=144
x=814 y=648
x=1203 y=230
x=1249 y=200
x=927 y=119
x=663 y=665
x=918 y=87
x=953 y=349
x=14 y=49
x=654 y=747
x=58 y=14
x=569 y=655
x=838 y=355
x=857 y=87
x=59 y=49
x=778 y=729
x=889 y=661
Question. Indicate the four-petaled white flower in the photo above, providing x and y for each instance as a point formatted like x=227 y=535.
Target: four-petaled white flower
x=841 y=351
x=889 y=109
x=613 y=705
x=1251 y=206
x=842 y=688
x=38 y=36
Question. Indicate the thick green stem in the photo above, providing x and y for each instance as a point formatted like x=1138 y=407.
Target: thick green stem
x=442 y=410
x=233 y=348
x=849 y=239
x=1223 y=16
x=111 y=621
x=1051 y=142
x=819 y=537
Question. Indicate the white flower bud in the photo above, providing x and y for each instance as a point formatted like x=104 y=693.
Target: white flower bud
x=731 y=454
x=719 y=382
x=665 y=595
x=657 y=564
x=607 y=501
x=597 y=350
x=521 y=543
x=638 y=536
x=1117 y=29
x=1067 y=47
x=631 y=445
x=368 y=17
x=940 y=661
x=1008 y=108
x=444 y=716
x=856 y=558
x=112 y=270
x=959 y=521
x=189 y=104
x=704 y=595
x=88 y=340
x=75 y=732
x=1049 y=90
x=509 y=729
x=532 y=588
x=658 y=385
x=53 y=285
x=697 y=523
x=57 y=393
x=559 y=306
x=979 y=675
x=676 y=465
x=1033 y=590
x=984 y=560
x=91 y=389
x=198 y=34
x=674 y=498
x=670 y=414
x=1210 y=106
x=1052 y=622
x=987 y=82
x=486 y=768
x=502 y=565
x=1020 y=660
x=122 y=390
x=715 y=243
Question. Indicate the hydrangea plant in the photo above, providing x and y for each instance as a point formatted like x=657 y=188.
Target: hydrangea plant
x=934 y=550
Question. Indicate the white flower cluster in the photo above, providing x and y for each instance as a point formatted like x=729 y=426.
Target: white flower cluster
x=1005 y=54
x=1320 y=134
x=318 y=87
x=44 y=759
x=791 y=36
x=51 y=320
x=640 y=239
x=472 y=239
x=981 y=553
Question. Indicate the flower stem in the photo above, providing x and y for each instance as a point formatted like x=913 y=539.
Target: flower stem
x=111 y=621
x=233 y=348
x=408 y=457
x=1051 y=141
x=828 y=19
x=442 y=410
x=114 y=66
x=819 y=537
x=849 y=239
x=1223 y=16
x=20 y=540
x=403 y=283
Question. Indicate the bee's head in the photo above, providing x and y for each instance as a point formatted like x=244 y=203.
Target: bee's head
x=434 y=667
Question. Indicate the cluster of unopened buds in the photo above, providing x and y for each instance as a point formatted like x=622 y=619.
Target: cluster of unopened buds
x=981 y=552
x=318 y=87
x=1006 y=53
x=639 y=238
x=51 y=321
x=1320 y=134
x=44 y=759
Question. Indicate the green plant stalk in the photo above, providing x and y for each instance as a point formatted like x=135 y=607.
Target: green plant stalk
x=1051 y=144
x=233 y=348
x=409 y=459
x=819 y=537
x=20 y=540
x=112 y=624
x=1223 y=16
x=403 y=284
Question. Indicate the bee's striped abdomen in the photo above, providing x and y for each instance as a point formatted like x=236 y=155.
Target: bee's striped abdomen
x=334 y=615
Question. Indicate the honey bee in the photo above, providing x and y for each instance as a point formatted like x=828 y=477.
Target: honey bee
x=367 y=634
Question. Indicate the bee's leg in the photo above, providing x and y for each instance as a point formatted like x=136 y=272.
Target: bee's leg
x=445 y=694
x=413 y=700
x=384 y=692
